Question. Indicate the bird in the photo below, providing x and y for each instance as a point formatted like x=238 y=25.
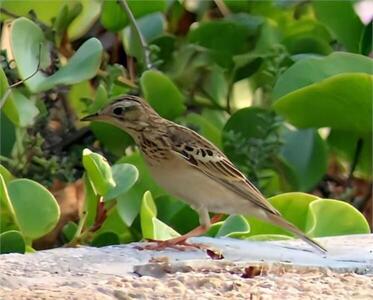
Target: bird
x=191 y=168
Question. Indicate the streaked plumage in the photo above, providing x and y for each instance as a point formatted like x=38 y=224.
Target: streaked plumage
x=190 y=167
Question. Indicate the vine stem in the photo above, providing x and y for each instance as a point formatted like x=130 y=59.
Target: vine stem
x=144 y=46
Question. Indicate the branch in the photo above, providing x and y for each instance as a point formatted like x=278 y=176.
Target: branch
x=144 y=46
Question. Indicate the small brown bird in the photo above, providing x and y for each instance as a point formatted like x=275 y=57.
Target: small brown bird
x=191 y=168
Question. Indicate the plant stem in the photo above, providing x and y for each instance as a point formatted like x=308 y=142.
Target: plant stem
x=144 y=46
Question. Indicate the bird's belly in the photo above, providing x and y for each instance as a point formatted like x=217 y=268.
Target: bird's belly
x=198 y=190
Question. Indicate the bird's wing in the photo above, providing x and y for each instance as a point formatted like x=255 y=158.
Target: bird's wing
x=208 y=159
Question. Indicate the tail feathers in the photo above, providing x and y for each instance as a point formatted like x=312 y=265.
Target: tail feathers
x=280 y=221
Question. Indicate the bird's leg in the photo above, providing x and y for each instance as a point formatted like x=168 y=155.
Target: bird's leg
x=181 y=240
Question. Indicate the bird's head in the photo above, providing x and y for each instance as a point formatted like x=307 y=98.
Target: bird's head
x=130 y=113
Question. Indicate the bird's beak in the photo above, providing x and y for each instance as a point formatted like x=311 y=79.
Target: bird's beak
x=92 y=117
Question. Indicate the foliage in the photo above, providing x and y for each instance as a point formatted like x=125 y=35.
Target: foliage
x=283 y=88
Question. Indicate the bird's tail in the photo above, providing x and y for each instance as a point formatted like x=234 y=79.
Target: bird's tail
x=280 y=221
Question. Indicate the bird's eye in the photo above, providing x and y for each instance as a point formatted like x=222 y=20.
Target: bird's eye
x=118 y=111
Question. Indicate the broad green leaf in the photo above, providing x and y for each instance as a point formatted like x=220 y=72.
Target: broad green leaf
x=293 y=207
x=306 y=153
x=151 y=227
x=105 y=239
x=344 y=144
x=328 y=217
x=249 y=123
x=114 y=18
x=328 y=102
x=26 y=41
x=151 y=26
x=36 y=210
x=269 y=237
x=12 y=241
x=307 y=36
x=215 y=85
x=82 y=65
x=44 y=10
x=174 y=212
x=26 y=109
x=69 y=230
x=162 y=94
x=28 y=45
x=129 y=203
x=85 y=20
x=315 y=69
x=234 y=226
x=99 y=171
x=347 y=27
x=125 y=176
x=9 y=107
x=7 y=176
x=90 y=201
x=8 y=216
x=226 y=36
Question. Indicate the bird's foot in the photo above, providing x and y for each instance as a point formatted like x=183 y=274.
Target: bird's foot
x=180 y=245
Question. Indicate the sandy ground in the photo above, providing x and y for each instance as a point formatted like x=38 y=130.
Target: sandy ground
x=250 y=270
x=203 y=284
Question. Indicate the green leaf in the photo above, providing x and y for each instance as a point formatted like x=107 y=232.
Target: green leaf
x=114 y=18
x=269 y=237
x=82 y=65
x=9 y=107
x=235 y=226
x=44 y=11
x=327 y=103
x=315 y=69
x=12 y=241
x=99 y=171
x=129 y=203
x=215 y=85
x=36 y=210
x=293 y=207
x=26 y=109
x=69 y=230
x=151 y=227
x=26 y=40
x=162 y=94
x=306 y=152
x=347 y=27
x=226 y=36
x=86 y=19
x=328 y=217
x=105 y=239
x=151 y=26
x=90 y=201
x=7 y=176
x=7 y=129
x=125 y=176
x=174 y=212
x=307 y=36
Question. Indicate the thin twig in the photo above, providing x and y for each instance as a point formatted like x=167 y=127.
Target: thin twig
x=223 y=8
x=144 y=46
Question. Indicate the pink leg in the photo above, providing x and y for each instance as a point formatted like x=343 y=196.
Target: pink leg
x=181 y=240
